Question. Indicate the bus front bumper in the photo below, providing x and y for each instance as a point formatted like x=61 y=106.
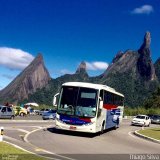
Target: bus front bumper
x=90 y=128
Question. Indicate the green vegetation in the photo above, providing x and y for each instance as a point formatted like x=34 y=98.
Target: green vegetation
x=136 y=91
x=140 y=110
x=153 y=133
x=9 y=152
x=154 y=101
x=151 y=106
x=157 y=68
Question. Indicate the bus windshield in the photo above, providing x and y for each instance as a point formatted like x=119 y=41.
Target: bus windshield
x=77 y=101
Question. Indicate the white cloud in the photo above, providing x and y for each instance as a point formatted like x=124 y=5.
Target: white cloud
x=14 y=59
x=96 y=66
x=145 y=9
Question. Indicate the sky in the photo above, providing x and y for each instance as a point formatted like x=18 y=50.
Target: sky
x=67 y=32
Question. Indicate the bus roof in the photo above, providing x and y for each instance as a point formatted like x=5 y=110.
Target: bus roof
x=92 y=85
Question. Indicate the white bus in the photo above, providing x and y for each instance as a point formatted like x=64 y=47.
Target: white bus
x=88 y=107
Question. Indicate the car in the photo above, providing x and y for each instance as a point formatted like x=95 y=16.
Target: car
x=36 y=111
x=20 y=111
x=43 y=111
x=155 y=119
x=6 y=112
x=141 y=120
x=49 y=115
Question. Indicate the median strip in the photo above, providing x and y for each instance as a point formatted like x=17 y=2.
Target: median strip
x=152 y=134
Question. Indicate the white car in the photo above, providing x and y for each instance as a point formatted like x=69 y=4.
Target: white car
x=141 y=120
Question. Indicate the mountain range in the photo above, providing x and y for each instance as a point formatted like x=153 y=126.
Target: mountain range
x=132 y=73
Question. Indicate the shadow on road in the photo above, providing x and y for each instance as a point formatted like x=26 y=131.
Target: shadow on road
x=78 y=134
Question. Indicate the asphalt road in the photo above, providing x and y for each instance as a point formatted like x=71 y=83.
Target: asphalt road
x=42 y=138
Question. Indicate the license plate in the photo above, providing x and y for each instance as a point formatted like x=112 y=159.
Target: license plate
x=73 y=128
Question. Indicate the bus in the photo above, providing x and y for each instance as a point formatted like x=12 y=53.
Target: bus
x=88 y=107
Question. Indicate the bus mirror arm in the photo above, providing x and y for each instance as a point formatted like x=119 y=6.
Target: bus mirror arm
x=55 y=99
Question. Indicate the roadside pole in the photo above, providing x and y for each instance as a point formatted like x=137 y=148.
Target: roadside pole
x=1 y=133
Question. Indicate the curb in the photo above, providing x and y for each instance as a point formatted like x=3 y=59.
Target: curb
x=146 y=137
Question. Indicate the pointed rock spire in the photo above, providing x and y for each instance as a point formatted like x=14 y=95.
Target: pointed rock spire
x=157 y=68
x=146 y=43
x=82 y=68
x=144 y=64
x=27 y=82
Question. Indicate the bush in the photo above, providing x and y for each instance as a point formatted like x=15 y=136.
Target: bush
x=140 y=110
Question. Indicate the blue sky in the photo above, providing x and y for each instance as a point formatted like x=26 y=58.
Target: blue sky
x=67 y=32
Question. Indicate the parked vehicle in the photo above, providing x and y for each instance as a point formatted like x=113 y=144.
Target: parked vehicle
x=43 y=111
x=155 y=119
x=6 y=112
x=36 y=112
x=141 y=120
x=49 y=115
x=20 y=111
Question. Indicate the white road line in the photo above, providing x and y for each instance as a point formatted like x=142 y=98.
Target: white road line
x=22 y=130
x=26 y=140
x=29 y=151
x=12 y=139
x=131 y=134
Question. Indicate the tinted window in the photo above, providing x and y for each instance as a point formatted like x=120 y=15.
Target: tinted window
x=9 y=109
x=4 y=109
x=110 y=98
x=140 y=117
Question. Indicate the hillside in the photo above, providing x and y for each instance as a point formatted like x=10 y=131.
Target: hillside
x=27 y=82
x=153 y=101
x=131 y=72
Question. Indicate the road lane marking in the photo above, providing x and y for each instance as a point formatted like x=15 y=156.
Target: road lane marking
x=52 y=153
x=22 y=130
x=38 y=149
x=131 y=134
x=12 y=139
x=30 y=151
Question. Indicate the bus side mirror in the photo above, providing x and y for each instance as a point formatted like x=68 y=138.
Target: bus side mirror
x=55 y=98
x=100 y=103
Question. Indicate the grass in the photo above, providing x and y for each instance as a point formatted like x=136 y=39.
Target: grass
x=153 y=133
x=9 y=152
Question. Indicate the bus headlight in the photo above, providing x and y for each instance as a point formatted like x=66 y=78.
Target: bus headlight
x=88 y=124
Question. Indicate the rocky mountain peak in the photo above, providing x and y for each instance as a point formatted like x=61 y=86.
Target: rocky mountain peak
x=118 y=56
x=144 y=63
x=147 y=40
x=82 y=68
x=157 y=68
x=146 y=43
x=34 y=76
